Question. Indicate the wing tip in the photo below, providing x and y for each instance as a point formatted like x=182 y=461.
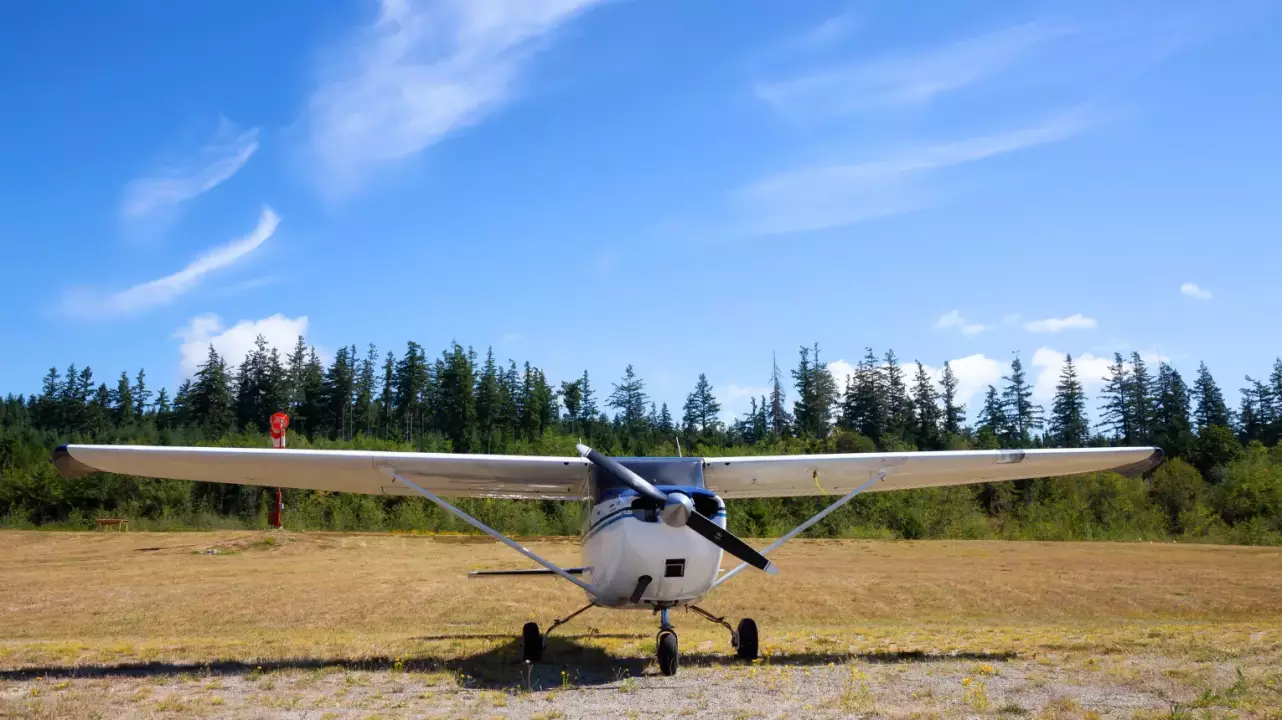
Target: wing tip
x=1142 y=466
x=68 y=466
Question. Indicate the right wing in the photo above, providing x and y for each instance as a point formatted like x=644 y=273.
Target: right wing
x=354 y=471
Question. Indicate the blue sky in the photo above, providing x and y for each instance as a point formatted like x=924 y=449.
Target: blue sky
x=688 y=187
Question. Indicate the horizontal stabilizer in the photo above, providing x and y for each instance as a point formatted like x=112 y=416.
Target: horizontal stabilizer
x=537 y=571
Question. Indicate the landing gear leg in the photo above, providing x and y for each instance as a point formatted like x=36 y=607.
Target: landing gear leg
x=743 y=640
x=669 y=657
x=533 y=642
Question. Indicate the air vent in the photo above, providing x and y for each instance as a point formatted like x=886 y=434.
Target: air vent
x=674 y=568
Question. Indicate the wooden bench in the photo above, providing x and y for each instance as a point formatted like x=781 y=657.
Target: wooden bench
x=120 y=523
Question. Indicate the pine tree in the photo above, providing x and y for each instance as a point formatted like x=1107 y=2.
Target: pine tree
x=163 y=409
x=142 y=396
x=992 y=417
x=588 y=409
x=210 y=396
x=456 y=416
x=410 y=385
x=865 y=407
x=1068 y=426
x=1210 y=409
x=926 y=407
x=1142 y=401
x=1172 y=427
x=898 y=407
x=701 y=409
x=780 y=422
x=1116 y=411
x=1022 y=415
x=387 y=398
x=665 y=425
x=630 y=399
x=312 y=412
x=338 y=388
x=122 y=400
x=365 y=411
x=954 y=414
x=1255 y=419
x=488 y=427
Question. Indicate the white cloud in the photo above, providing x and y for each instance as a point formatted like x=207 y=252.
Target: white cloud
x=1077 y=321
x=216 y=163
x=840 y=371
x=828 y=196
x=422 y=71
x=954 y=319
x=234 y=343
x=737 y=400
x=168 y=288
x=1194 y=291
x=904 y=79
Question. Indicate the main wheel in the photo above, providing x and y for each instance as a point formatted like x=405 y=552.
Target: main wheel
x=669 y=659
x=747 y=649
x=531 y=643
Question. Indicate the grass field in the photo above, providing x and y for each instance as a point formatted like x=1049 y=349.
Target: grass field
x=345 y=625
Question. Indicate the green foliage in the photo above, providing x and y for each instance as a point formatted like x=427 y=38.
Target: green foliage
x=1211 y=489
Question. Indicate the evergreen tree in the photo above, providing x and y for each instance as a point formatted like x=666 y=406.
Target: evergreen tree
x=630 y=399
x=365 y=410
x=954 y=414
x=701 y=409
x=338 y=388
x=992 y=417
x=1116 y=411
x=142 y=396
x=1172 y=427
x=1022 y=415
x=387 y=398
x=1255 y=419
x=1068 y=426
x=456 y=414
x=311 y=417
x=665 y=425
x=780 y=422
x=210 y=396
x=588 y=409
x=865 y=408
x=163 y=409
x=898 y=407
x=489 y=427
x=926 y=406
x=410 y=386
x=1210 y=409
x=122 y=400
x=1142 y=401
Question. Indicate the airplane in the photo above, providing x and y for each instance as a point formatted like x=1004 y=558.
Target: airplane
x=655 y=533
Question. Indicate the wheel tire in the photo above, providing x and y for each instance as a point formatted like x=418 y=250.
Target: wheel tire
x=747 y=649
x=531 y=643
x=669 y=658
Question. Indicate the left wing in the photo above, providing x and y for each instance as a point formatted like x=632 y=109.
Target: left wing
x=792 y=475
x=355 y=471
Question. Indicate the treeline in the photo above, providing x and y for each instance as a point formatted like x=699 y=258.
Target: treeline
x=1222 y=480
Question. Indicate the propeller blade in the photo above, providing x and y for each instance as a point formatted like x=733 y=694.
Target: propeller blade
x=723 y=539
x=623 y=475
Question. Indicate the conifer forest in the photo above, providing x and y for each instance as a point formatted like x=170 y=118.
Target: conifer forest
x=1221 y=480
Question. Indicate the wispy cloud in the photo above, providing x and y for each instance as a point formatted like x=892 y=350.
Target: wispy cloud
x=902 y=79
x=953 y=319
x=1076 y=321
x=1194 y=291
x=234 y=343
x=166 y=289
x=215 y=163
x=421 y=72
x=828 y=196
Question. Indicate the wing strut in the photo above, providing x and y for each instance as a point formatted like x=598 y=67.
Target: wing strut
x=488 y=530
x=803 y=526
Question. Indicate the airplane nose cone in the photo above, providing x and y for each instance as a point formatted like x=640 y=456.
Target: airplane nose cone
x=677 y=510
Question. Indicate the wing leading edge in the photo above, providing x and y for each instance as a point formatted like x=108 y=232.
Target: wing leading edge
x=354 y=471
x=793 y=475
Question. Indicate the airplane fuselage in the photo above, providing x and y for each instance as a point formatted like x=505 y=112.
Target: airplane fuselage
x=634 y=559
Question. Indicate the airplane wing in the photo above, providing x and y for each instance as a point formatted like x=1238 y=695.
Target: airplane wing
x=355 y=471
x=792 y=475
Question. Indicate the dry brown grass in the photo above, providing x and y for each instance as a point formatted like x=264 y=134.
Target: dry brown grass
x=359 y=624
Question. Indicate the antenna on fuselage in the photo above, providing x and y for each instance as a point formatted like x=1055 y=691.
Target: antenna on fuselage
x=678 y=439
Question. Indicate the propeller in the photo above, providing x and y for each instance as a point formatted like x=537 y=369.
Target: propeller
x=677 y=510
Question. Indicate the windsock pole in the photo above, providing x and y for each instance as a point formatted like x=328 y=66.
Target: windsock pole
x=279 y=424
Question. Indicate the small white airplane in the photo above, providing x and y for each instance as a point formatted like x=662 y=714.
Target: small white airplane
x=656 y=530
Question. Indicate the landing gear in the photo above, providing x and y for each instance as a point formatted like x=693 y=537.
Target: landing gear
x=531 y=643
x=669 y=657
x=744 y=639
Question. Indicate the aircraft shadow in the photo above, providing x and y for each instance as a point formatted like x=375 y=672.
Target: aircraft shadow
x=501 y=667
